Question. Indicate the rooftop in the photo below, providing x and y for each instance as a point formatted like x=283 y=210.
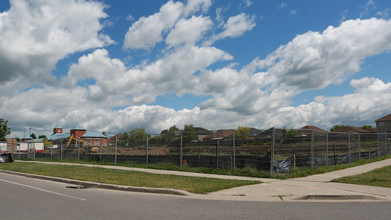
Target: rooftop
x=385 y=118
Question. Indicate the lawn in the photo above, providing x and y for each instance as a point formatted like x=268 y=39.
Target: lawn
x=378 y=177
x=127 y=178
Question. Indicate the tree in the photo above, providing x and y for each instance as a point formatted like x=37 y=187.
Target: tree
x=124 y=140
x=4 y=130
x=336 y=127
x=137 y=136
x=189 y=133
x=42 y=136
x=242 y=132
x=292 y=133
x=368 y=127
x=168 y=135
x=33 y=136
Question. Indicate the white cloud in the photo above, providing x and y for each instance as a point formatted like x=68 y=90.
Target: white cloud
x=147 y=31
x=189 y=31
x=194 y=6
x=35 y=35
x=237 y=26
x=314 y=60
x=163 y=76
x=257 y=95
x=282 y=5
x=310 y=61
x=293 y=12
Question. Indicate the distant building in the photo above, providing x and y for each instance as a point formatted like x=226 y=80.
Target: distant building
x=307 y=130
x=92 y=138
x=268 y=134
x=202 y=133
x=220 y=134
x=383 y=124
x=352 y=129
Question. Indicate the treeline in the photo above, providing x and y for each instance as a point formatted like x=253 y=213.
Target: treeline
x=169 y=136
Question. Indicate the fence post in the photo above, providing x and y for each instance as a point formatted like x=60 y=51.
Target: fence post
x=385 y=140
x=312 y=149
x=100 y=150
x=217 y=153
x=181 y=152
x=359 y=145
x=78 y=149
x=147 y=151
x=327 y=148
x=234 y=155
x=61 y=151
x=272 y=151
x=387 y=150
x=116 y=150
x=378 y=145
x=349 y=147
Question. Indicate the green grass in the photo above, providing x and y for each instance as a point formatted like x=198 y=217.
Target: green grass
x=247 y=171
x=378 y=177
x=303 y=172
x=128 y=178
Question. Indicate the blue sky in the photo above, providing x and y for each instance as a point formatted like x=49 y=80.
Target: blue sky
x=117 y=65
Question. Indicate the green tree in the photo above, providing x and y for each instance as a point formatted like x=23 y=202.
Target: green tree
x=168 y=135
x=291 y=133
x=4 y=130
x=189 y=133
x=336 y=127
x=42 y=136
x=242 y=132
x=368 y=127
x=124 y=140
x=33 y=136
x=137 y=136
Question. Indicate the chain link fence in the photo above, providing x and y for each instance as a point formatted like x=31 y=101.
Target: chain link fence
x=273 y=150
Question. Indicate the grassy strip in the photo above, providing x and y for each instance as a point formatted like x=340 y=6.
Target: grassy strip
x=247 y=171
x=378 y=177
x=303 y=172
x=127 y=178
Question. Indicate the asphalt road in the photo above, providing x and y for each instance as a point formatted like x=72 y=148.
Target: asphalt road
x=27 y=198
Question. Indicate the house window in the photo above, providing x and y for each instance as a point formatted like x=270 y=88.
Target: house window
x=381 y=123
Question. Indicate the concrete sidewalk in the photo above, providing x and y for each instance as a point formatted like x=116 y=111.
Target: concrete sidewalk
x=316 y=187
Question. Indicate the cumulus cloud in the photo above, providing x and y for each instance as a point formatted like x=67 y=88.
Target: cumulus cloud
x=234 y=27
x=189 y=31
x=160 y=77
x=312 y=60
x=103 y=93
x=35 y=35
x=147 y=31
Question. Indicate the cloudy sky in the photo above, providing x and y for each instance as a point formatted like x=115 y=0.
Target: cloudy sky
x=116 y=65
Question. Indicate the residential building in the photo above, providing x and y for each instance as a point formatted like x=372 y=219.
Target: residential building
x=352 y=129
x=308 y=129
x=383 y=124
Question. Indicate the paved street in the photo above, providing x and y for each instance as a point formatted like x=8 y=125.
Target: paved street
x=28 y=198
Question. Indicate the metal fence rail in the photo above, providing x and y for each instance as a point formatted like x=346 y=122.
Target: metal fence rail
x=275 y=152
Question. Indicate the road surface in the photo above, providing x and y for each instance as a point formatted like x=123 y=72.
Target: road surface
x=27 y=198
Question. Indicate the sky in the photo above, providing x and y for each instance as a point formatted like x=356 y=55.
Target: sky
x=118 y=65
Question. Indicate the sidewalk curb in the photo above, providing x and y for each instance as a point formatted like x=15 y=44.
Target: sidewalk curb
x=87 y=184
